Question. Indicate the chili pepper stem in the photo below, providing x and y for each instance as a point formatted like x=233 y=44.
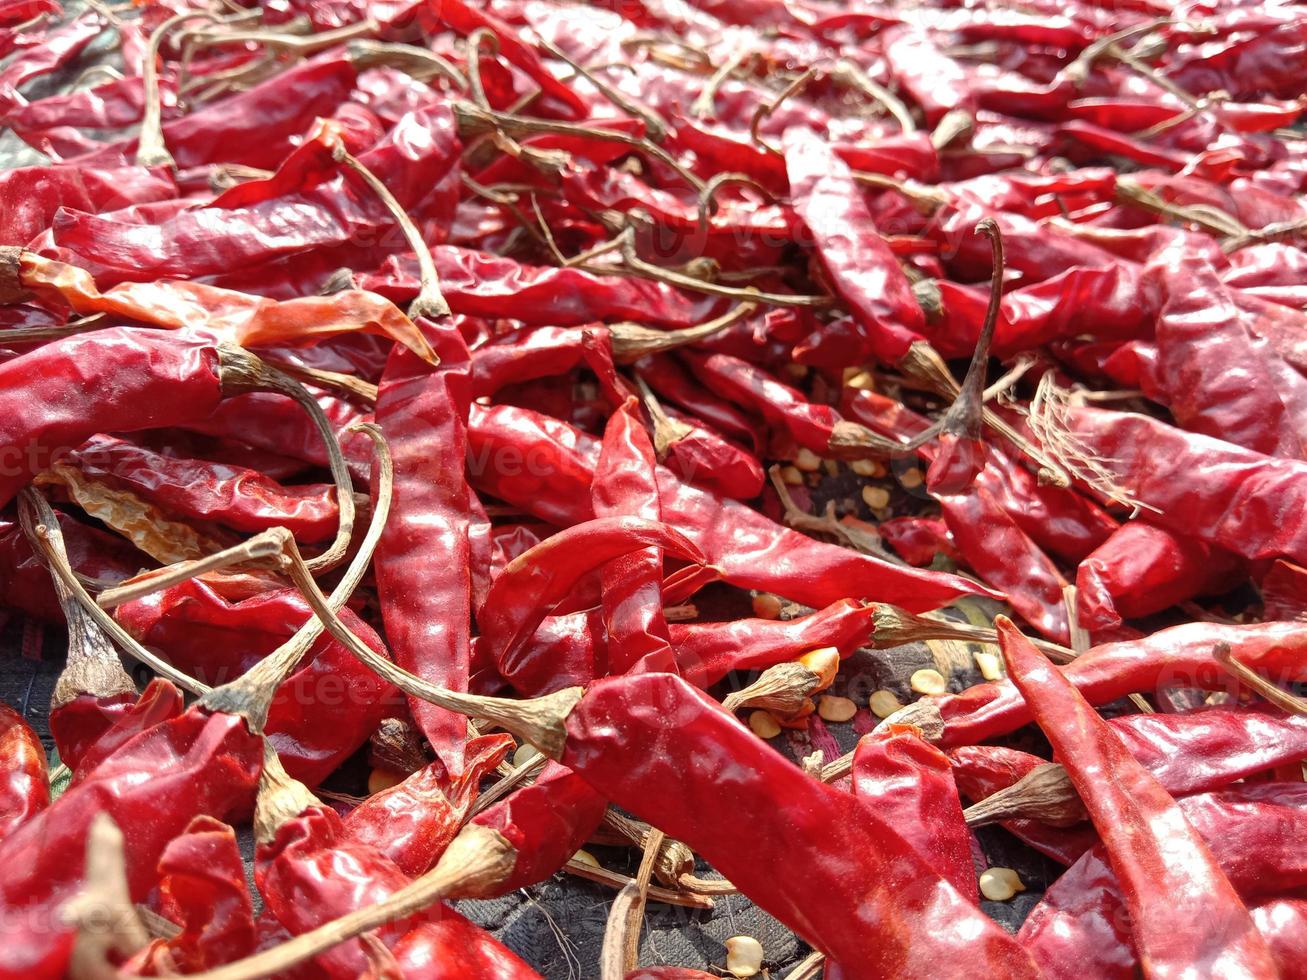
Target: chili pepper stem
x=1282 y=699
x=417 y=63
x=612 y=956
x=429 y=302
x=151 y=150
x=106 y=920
x=239 y=371
x=280 y=798
x=654 y=124
x=782 y=688
x=42 y=529
x=471 y=867
x=269 y=544
x=631 y=341
x=1044 y=794
x=808 y=968
x=250 y=695
x=93 y=666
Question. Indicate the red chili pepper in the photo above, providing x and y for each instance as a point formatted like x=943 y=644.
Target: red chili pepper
x=532 y=584
x=255 y=128
x=24 y=782
x=1177 y=657
x=1142 y=569
x=202 y=889
x=96 y=730
x=917 y=540
x=862 y=268
x=910 y=783
x=194 y=489
x=751 y=550
x=546 y=822
x=1202 y=487
x=1184 y=912
x=423 y=557
x=452 y=948
x=199 y=763
x=983 y=770
x=39 y=192
x=480 y=284
x=217 y=641
x=625 y=485
x=25 y=583
x=413 y=822
x=1082 y=920
x=663 y=750
x=222 y=314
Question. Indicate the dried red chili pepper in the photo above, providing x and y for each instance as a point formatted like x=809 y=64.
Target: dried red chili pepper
x=24 y=782
x=1176 y=657
x=202 y=889
x=863 y=269
x=480 y=284
x=751 y=550
x=546 y=822
x=413 y=822
x=159 y=379
x=216 y=641
x=1199 y=486
x=1184 y=912
x=426 y=601
x=625 y=485
x=702 y=752
x=1081 y=920
x=981 y=771
x=194 y=489
x=910 y=783
x=1142 y=569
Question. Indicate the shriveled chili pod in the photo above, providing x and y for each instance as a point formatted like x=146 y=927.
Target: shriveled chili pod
x=1184 y=912
x=24 y=781
x=158 y=380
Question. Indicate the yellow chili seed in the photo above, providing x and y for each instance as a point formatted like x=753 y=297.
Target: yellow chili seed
x=928 y=681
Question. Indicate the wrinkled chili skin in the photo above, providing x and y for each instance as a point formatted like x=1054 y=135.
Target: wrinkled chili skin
x=451 y=948
x=195 y=489
x=320 y=715
x=1176 y=657
x=673 y=757
x=118 y=379
x=422 y=561
x=413 y=822
x=152 y=787
x=752 y=550
x=910 y=782
x=202 y=888
x=1185 y=914
x=1251 y=830
x=24 y=780
x=546 y=822
x=89 y=733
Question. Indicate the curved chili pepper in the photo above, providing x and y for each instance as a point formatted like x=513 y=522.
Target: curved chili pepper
x=862 y=268
x=1142 y=569
x=1080 y=919
x=660 y=748
x=24 y=782
x=1180 y=657
x=671 y=382
x=534 y=582
x=625 y=486
x=752 y=551
x=1184 y=912
x=223 y=314
x=217 y=641
x=546 y=822
x=236 y=497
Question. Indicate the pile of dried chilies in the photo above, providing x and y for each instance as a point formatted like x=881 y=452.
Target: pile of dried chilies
x=455 y=435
